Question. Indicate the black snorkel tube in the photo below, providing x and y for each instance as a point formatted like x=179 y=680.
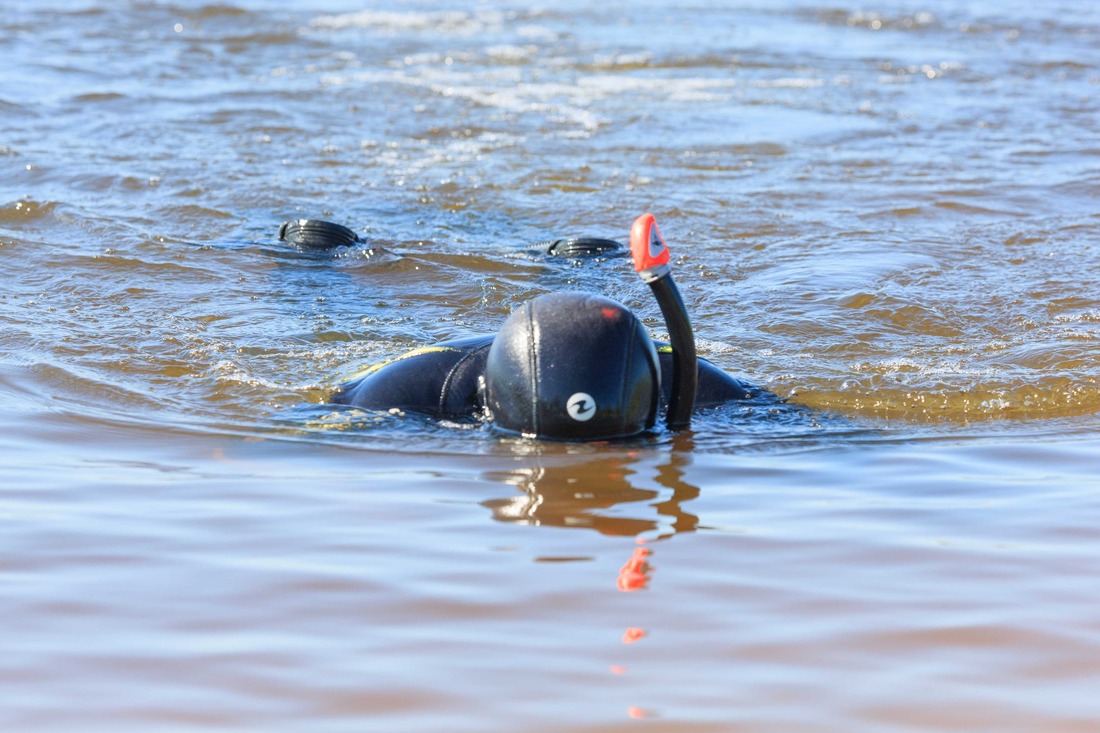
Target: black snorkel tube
x=651 y=262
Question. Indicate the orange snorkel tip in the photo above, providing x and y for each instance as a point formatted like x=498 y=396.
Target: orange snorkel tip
x=648 y=249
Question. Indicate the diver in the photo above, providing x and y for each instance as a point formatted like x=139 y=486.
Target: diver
x=564 y=366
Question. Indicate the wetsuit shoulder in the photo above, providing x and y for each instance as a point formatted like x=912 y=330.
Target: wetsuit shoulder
x=439 y=380
x=715 y=386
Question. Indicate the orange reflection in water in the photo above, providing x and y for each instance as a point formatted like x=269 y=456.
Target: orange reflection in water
x=634 y=575
x=616 y=493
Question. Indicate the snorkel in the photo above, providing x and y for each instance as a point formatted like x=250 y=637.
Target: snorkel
x=651 y=262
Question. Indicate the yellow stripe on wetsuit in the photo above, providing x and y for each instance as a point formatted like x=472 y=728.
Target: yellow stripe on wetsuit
x=401 y=357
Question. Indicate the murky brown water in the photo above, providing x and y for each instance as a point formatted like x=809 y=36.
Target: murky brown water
x=886 y=214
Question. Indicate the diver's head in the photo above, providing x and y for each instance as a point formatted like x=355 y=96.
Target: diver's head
x=573 y=366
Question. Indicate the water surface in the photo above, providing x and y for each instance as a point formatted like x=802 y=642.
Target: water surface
x=884 y=214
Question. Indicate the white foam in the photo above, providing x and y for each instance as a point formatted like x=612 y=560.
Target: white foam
x=449 y=22
x=789 y=83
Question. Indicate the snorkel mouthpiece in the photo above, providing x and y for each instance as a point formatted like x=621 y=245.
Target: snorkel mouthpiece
x=651 y=262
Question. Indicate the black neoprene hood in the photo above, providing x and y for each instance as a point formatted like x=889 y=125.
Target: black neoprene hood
x=573 y=366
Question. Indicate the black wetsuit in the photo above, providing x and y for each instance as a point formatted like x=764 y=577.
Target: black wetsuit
x=443 y=381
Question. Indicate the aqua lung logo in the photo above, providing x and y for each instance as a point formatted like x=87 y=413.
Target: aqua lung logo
x=581 y=407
